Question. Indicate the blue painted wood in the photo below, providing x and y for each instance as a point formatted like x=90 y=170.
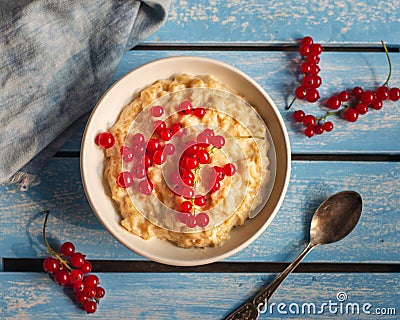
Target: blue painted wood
x=277 y=73
x=204 y=296
x=376 y=238
x=260 y=21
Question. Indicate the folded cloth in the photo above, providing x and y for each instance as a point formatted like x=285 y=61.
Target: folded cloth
x=56 y=59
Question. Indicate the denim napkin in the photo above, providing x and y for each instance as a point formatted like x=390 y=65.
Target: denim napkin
x=56 y=59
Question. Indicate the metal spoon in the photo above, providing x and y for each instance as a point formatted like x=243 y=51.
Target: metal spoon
x=334 y=219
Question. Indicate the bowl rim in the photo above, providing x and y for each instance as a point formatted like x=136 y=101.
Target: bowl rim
x=114 y=233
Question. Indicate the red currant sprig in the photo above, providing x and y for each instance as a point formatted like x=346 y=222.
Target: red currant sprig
x=350 y=105
x=71 y=269
x=311 y=81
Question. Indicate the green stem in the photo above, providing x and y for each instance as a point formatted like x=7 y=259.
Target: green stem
x=389 y=62
x=49 y=248
x=290 y=104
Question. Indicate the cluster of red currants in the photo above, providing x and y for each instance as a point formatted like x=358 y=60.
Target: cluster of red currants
x=195 y=154
x=311 y=81
x=71 y=269
x=350 y=104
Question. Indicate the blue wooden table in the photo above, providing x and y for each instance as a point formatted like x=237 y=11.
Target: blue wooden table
x=360 y=273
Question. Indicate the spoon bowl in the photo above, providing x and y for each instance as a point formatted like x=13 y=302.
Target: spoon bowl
x=335 y=218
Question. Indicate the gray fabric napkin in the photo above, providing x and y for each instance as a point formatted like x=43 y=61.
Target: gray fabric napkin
x=56 y=59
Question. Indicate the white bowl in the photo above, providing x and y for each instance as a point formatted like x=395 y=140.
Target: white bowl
x=106 y=113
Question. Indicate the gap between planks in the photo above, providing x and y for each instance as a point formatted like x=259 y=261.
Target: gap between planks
x=261 y=47
x=116 y=266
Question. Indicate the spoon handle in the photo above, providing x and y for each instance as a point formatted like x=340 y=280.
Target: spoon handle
x=251 y=310
x=262 y=298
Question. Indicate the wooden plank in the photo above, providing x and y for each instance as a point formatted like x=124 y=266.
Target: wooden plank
x=376 y=238
x=204 y=296
x=259 y=21
x=277 y=73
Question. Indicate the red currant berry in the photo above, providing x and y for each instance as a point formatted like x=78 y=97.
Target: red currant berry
x=126 y=153
x=51 y=265
x=316 y=49
x=67 y=249
x=377 y=104
x=138 y=171
x=100 y=292
x=298 y=115
x=166 y=134
x=199 y=112
x=157 y=111
x=76 y=276
x=367 y=97
x=344 y=96
x=229 y=169
x=312 y=95
x=215 y=187
x=78 y=287
x=125 y=179
x=307 y=40
x=200 y=200
x=362 y=108
x=300 y=92
x=183 y=217
x=203 y=156
x=394 y=94
x=357 y=91
x=314 y=69
x=187 y=177
x=203 y=140
x=177 y=129
x=91 y=281
x=382 y=93
x=220 y=174
x=187 y=192
x=105 y=140
x=217 y=141
x=191 y=221
x=77 y=259
x=89 y=291
x=80 y=297
x=159 y=157
x=202 y=219
x=305 y=67
x=138 y=139
x=313 y=58
x=138 y=151
x=86 y=267
x=309 y=81
x=351 y=115
x=153 y=145
x=318 y=129
x=186 y=206
x=334 y=103
x=327 y=126
x=185 y=108
x=169 y=149
x=159 y=126
x=309 y=131
x=90 y=306
x=304 y=50
x=61 y=277
x=192 y=162
x=309 y=120
x=146 y=161
x=145 y=187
